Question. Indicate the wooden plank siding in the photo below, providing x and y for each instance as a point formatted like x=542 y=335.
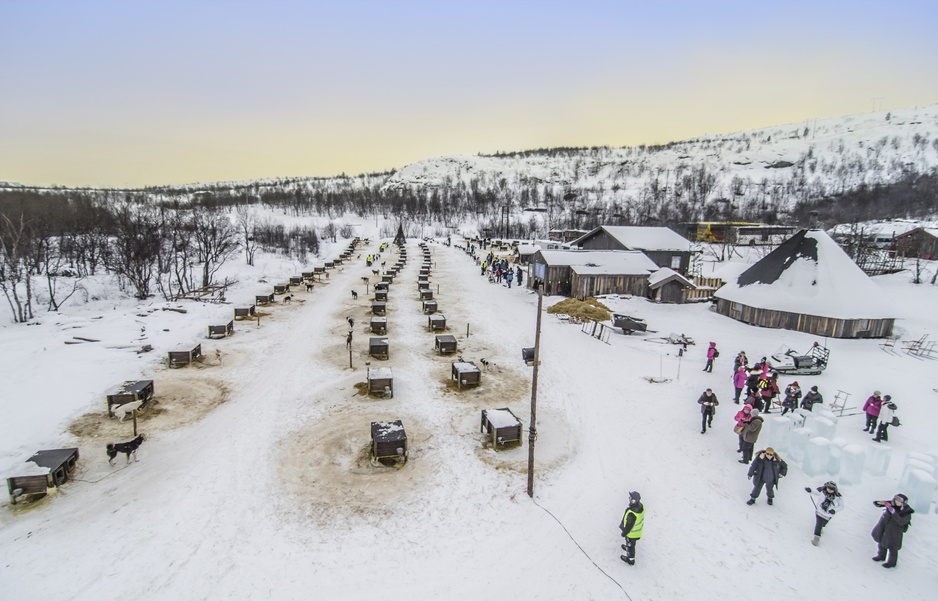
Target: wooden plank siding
x=585 y=286
x=662 y=258
x=811 y=324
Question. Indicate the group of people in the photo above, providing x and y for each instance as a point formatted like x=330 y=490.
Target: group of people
x=882 y=411
x=765 y=472
x=500 y=270
x=762 y=387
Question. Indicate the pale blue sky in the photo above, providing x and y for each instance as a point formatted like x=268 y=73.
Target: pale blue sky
x=143 y=93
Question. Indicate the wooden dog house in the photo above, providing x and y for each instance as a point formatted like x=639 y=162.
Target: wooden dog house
x=55 y=466
x=183 y=358
x=466 y=374
x=426 y=294
x=130 y=391
x=222 y=331
x=388 y=442
x=445 y=344
x=379 y=348
x=423 y=283
x=281 y=288
x=381 y=295
x=502 y=427
x=381 y=381
x=429 y=306
x=379 y=325
x=296 y=280
x=245 y=312
x=379 y=307
x=263 y=299
x=436 y=322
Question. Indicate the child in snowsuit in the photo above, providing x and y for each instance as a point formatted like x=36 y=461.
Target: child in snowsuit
x=886 y=414
x=792 y=394
x=712 y=353
x=766 y=470
x=827 y=501
x=708 y=405
x=631 y=527
x=891 y=526
x=872 y=407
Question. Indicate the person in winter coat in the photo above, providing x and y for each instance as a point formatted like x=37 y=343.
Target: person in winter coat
x=886 y=414
x=739 y=381
x=742 y=418
x=752 y=381
x=750 y=435
x=889 y=529
x=740 y=361
x=508 y=277
x=827 y=501
x=792 y=394
x=483 y=268
x=708 y=406
x=518 y=275
x=812 y=398
x=631 y=527
x=712 y=353
x=768 y=389
x=766 y=470
x=871 y=407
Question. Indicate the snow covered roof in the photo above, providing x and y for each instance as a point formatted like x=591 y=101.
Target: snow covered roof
x=642 y=238
x=528 y=249
x=597 y=262
x=665 y=275
x=809 y=273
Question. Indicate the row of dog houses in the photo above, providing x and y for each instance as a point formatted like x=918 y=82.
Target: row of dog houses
x=51 y=468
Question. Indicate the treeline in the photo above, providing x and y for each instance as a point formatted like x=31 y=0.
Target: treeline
x=167 y=248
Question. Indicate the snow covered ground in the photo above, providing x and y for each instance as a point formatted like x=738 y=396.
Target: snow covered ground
x=255 y=482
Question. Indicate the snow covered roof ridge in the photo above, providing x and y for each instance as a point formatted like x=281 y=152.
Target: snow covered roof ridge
x=809 y=273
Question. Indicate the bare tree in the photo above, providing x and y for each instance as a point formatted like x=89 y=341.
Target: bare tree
x=215 y=240
x=14 y=270
x=136 y=246
x=247 y=223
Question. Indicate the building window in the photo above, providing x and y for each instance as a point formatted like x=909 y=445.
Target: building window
x=676 y=262
x=736 y=310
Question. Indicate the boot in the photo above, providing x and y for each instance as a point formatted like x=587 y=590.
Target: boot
x=769 y=501
x=816 y=540
x=751 y=502
x=893 y=558
x=627 y=560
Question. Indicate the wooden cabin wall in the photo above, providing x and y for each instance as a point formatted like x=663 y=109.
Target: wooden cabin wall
x=811 y=324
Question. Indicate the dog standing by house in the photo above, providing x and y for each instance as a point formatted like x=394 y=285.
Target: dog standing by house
x=354 y=295
x=309 y=287
x=121 y=411
x=127 y=448
x=287 y=298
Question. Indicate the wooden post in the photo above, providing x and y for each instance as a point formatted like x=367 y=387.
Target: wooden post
x=135 y=423
x=350 y=357
x=467 y=330
x=532 y=430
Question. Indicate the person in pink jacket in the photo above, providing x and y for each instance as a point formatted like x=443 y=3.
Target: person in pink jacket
x=742 y=417
x=872 y=407
x=739 y=381
x=712 y=353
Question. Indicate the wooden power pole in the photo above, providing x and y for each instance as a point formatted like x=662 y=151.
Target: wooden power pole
x=532 y=430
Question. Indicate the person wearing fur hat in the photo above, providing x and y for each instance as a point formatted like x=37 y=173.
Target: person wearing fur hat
x=792 y=394
x=750 y=434
x=712 y=353
x=812 y=398
x=886 y=416
x=897 y=515
x=766 y=470
x=708 y=407
x=871 y=407
x=827 y=501
x=631 y=526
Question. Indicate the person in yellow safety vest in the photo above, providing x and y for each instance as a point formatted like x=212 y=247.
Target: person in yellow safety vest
x=631 y=526
x=483 y=268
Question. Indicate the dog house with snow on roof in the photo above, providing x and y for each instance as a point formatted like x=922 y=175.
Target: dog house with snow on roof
x=379 y=348
x=379 y=325
x=47 y=469
x=388 y=442
x=379 y=307
x=381 y=382
x=445 y=344
x=466 y=374
x=436 y=322
x=429 y=306
x=502 y=427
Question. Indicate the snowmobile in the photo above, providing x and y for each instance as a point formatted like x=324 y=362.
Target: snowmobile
x=628 y=323
x=789 y=362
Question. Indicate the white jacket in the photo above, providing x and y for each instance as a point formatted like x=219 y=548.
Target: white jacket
x=836 y=506
x=885 y=414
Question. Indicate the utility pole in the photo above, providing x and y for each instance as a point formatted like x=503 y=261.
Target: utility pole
x=532 y=430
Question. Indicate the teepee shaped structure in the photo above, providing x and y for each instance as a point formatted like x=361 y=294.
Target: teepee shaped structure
x=399 y=239
x=808 y=284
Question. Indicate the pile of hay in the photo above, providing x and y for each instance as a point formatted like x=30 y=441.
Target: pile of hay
x=590 y=309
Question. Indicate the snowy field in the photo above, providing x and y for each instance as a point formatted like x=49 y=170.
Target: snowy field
x=255 y=483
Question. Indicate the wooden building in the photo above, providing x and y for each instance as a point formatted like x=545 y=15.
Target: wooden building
x=466 y=374
x=381 y=382
x=668 y=286
x=388 y=442
x=662 y=245
x=922 y=243
x=808 y=284
x=582 y=274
